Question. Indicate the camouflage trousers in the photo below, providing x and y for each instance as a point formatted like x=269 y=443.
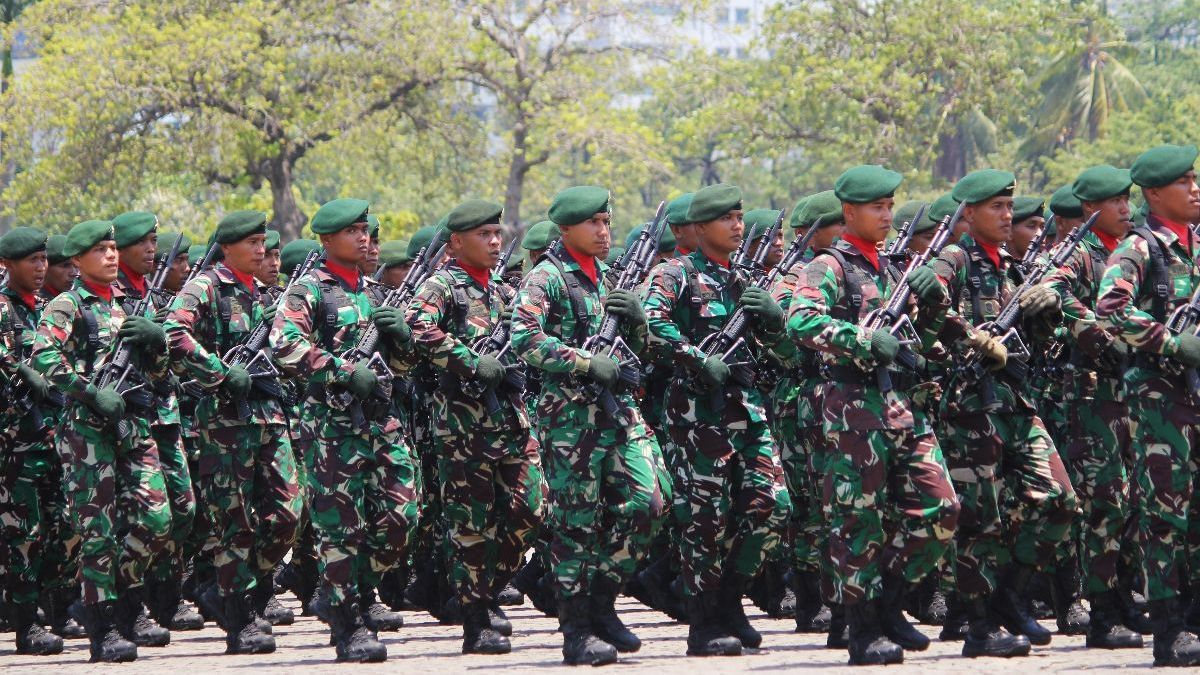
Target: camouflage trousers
x=39 y=544
x=1100 y=436
x=604 y=497
x=801 y=451
x=248 y=480
x=1166 y=468
x=492 y=489
x=737 y=500
x=117 y=499
x=893 y=475
x=181 y=495
x=364 y=507
x=984 y=452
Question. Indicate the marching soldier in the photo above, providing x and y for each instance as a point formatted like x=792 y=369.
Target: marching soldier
x=61 y=273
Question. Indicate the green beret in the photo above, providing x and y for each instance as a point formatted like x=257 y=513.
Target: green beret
x=614 y=254
x=238 y=225
x=372 y=226
x=576 y=204
x=677 y=209
x=866 y=183
x=908 y=211
x=1098 y=183
x=1051 y=226
x=1064 y=203
x=980 y=186
x=54 y=249
x=196 y=253
x=942 y=208
x=86 y=235
x=1159 y=166
x=339 y=214
x=473 y=213
x=420 y=240
x=713 y=201
x=758 y=220
x=823 y=205
x=667 y=243
x=166 y=241
x=272 y=240
x=1025 y=208
x=131 y=226
x=540 y=235
x=294 y=252
x=21 y=242
x=392 y=253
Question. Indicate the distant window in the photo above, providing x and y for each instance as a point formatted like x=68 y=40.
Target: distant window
x=723 y=51
x=722 y=15
x=742 y=16
x=742 y=53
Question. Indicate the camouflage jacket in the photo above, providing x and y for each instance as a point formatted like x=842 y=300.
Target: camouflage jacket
x=801 y=385
x=449 y=313
x=166 y=399
x=1130 y=309
x=547 y=335
x=210 y=316
x=18 y=326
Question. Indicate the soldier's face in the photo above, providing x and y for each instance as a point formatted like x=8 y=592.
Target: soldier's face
x=177 y=272
x=871 y=221
x=920 y=241
x=98 y=264
x=1178 y=201
x=246 y=255
x=774 y=253
x=722 y=236
x=27 y=274
x=394 y=275
x=686 y=237
x=1065 y=227
x=60 y=277
x=371 y=262
x=591 y=237
x=139 y=256
x=268 y=270
x=1023 y=233
x=1114 y=215
x=347 y=246
x=825 y=236
x=990 y=221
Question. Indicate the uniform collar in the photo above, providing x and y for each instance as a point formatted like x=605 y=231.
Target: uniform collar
x=135 y=281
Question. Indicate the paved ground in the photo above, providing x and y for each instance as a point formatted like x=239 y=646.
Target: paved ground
x=425 y=647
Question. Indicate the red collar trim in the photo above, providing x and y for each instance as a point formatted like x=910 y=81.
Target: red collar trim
x=481 y=275
x=683 y=251
x=104 y=291
x=1110 y=242
x=587 y=263
x=349 y=275
x=30 y=299
x=138 y=281
x=869 y=250
x=1181 y=231
x=50 y=291
x=992 y=251
x=716 y=262
x=246 y=280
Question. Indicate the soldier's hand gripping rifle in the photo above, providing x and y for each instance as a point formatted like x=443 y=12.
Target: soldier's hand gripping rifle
x=1004 y=326
x=893 y=315
x=728 y=341
x=496 y=344
x=119 y=372
x=366 y=350
x=607 y=342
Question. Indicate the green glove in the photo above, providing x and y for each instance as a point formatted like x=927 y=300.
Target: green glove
x=884 y=347
x=139 y=330
x=390 y=321
x=489 y=370
x=604 y=371
x=106 y=403
x=237 y=383
x=361 y=382
x=268 y=316
x=714 y=372
x=1188 y=350
x=39 y=388
x=926 y=286
x=763 y=307
x=1038 y=300
x=625 y=304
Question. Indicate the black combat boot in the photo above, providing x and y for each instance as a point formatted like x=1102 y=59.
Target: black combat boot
x=1174 y=645
x=529 y=580
x=105 y=640
x=300 y=580
x=497 y=618
x=56 y=605
x=1010 y=602
x=656 y=579
x=478 y=635
x=771 y=593
x=957 y=621
x=733 y=614
x=927 y=603
x=351 y=637
x=135 y=624
x=509 y=596
x=812 y=616
x=266 y=606
x=985 y=637
x=1106 y=630
x=891 y=616
x=242 y=634
x=868 y=644
x=31 y=638
x=707 y=634
x=376 y=615
x=603 y=613
x=168 y=608
x=581 y=647
x=1065 y=593
x=839 y=630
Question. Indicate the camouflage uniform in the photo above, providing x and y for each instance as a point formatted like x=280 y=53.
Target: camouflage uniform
x=886 y=452
x=363 y=488
x=246 y=468
x=604 y=494
x=116 y=488
x=737 y=497
x=490 y=471
x=987 y=448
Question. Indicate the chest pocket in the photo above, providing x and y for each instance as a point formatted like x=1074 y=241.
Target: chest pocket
x=338 y=318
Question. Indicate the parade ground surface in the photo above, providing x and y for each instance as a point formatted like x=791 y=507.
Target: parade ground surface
x=423 y=646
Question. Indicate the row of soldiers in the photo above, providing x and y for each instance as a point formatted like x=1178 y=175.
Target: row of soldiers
x=879 y=415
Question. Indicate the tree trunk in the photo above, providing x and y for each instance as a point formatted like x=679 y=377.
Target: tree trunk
x=288 y=218
x=951 y=161
x=8 y=168
x=514 y=188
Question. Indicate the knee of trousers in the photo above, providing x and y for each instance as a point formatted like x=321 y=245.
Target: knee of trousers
x=768 y=512
x=155 y=526
x=945 y=521
x=283 y=522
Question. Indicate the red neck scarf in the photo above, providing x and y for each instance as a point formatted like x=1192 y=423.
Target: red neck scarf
x=50 y=291
x=586 y=263
x=348 y=275
x=104 y=291
x=29 y=299
x=138 y=281
x=246 y=280
x=1110 y=242
x=481 y=275
x=992 y=251
x=870 y=251
x=683 y=251
x=719 y=263
x=1181 y=230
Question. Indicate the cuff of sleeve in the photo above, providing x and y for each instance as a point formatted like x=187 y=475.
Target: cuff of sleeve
x=583 y=361
x=1171 y=346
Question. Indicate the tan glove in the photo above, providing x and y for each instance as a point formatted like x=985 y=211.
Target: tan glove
x=1038 y=300
x=991 y=348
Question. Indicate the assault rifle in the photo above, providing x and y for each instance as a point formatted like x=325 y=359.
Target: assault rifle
x=897 y=250
x=497 y=344
x=1031 y=253
x=204 y=263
